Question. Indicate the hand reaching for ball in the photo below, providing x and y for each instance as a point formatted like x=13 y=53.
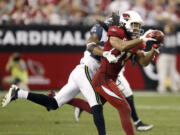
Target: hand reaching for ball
x=156 y=36
x=159 y=36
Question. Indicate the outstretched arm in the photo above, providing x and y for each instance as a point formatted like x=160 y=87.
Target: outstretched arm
x=122 y=45
x=9 y=64
x=145 y=58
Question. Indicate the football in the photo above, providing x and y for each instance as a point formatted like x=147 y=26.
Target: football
x=158 y=35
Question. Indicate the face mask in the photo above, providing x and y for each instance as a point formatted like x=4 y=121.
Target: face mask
x=135 y=30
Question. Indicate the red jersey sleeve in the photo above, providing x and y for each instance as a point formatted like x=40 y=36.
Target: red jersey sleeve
x=116 y=31
x=141 y=46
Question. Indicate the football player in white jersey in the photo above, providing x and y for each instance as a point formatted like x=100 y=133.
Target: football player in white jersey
x=96 y=40
x=79 y=81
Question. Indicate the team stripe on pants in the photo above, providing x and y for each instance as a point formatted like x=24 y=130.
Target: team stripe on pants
x=90 y=81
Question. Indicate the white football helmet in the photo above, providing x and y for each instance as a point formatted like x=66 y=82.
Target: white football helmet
x=132 y=22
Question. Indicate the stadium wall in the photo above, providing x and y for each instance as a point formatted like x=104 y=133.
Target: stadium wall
x=51 y=52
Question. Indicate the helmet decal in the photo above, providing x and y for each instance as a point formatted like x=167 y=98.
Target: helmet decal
x=130 y=18
x=126 y=17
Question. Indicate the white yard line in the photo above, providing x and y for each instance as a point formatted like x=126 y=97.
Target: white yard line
x=23 y=133
x=148 y=107
x=154 y=93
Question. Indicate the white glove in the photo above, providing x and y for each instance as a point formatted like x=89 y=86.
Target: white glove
x=147 y=36
x=110 y=57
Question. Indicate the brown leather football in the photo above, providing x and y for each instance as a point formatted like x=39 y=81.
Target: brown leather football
x=159 y=36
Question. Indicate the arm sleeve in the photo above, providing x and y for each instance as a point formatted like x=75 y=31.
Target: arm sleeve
x=116 y=31
x=141 y=46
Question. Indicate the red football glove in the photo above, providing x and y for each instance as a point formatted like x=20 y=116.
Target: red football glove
x=156 y=47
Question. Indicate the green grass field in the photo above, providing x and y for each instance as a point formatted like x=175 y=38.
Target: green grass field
x=23 y=117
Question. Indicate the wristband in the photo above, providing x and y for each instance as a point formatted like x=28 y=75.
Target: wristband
x=92 y=46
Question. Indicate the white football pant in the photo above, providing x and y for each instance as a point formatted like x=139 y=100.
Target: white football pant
x=79 y=81
x=123 y=85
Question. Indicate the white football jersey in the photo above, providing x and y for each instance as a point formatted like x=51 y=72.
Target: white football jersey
x=89 y=59
x=92 y=61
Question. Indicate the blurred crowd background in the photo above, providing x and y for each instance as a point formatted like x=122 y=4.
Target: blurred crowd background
x=85 y=12
x=164 y=14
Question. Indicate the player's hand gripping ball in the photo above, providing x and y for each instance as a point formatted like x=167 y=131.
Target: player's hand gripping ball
x=158 y=35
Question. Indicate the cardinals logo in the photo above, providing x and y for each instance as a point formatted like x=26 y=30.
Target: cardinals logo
x=126 y=17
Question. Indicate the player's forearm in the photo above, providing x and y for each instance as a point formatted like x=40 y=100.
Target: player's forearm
x=93 y=38
x=8 y=66
x=98 y=51
x=93 y=47
x=131 y=44
x=144 y=61
x=122 y=45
